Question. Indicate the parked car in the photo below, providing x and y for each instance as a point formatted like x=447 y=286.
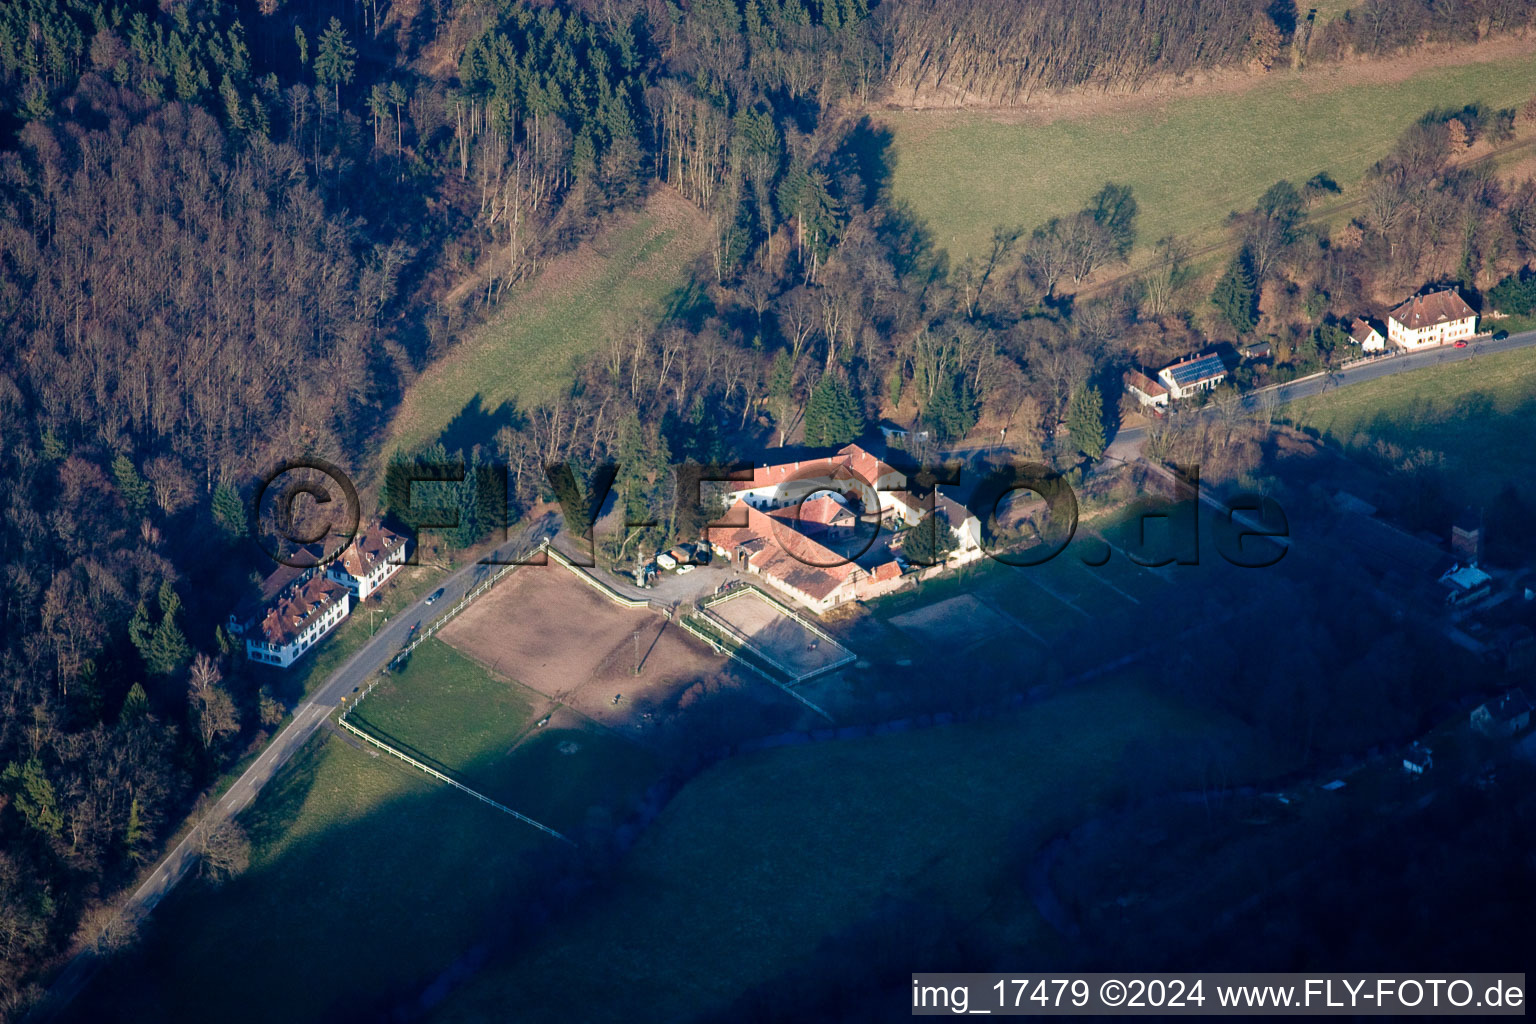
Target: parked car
x=1461 y=343
x=666 y=561
x=685 y=568
x=1500 y=335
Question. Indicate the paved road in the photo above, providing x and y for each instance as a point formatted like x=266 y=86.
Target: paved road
x=307 y=718
x=1127 y=443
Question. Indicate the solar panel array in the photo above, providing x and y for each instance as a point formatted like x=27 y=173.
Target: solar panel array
x=1185 y=374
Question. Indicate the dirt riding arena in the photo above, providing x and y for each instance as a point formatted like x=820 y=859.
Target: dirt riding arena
x=953 y=624
x=548 y=630
x=780 y=638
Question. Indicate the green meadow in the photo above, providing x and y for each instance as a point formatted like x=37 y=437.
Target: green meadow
x=1191 y=160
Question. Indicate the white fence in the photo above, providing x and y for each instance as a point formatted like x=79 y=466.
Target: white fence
x=347 y=709
x=455 y=783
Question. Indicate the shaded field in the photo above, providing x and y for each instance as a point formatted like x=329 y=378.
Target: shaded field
x=771 y=861
x=953 y=623
x=1472 y=418
x=424 y=707
x=1189 y=160
x=452 y=713
x=367 y=878
x=552 y=632
x=526 y=352
x=758 y=864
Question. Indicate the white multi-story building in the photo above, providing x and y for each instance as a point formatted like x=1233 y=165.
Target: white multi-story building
x=303 y=612
x=374 y=555
x=1438 y=318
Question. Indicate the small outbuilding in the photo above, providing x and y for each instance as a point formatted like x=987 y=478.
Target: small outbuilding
x=1364 y=334
x=1144 y=389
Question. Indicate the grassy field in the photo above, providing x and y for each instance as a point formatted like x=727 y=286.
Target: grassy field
x=367 y=878
x=524 y=354
x=454 y=714
x=1190 y=160
x=1475 y=416
x=763 y=858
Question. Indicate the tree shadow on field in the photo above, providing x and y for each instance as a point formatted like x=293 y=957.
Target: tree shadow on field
x=477 y=425
x=868 y=153
x=352 y=918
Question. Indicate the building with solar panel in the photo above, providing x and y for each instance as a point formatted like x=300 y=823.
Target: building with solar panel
x=1193 y=375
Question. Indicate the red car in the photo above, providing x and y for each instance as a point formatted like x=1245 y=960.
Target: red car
x=1461 y=344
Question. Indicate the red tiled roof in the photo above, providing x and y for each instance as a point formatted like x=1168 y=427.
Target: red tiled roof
x=371 y=546
x=851 y=463
x=822 y=510
x=1430 y=310
x=888 y=571
x=297 y=606
x=783 y=553
x=1361 y=330
x=1146 y=385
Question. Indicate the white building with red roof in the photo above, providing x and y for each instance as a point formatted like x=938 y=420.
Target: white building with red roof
x=797 y=565
x=783 y=514
x=1438 y=318
x=855 y=474
x=1144 y=389
x=301 y=611
x=374 y=555
x=1364 y=334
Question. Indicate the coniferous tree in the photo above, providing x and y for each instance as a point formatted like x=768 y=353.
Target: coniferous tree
x=1236 y=297
x=929 y=542
x=130 y=484
x=335 y=60
x=832 y=416
x=229 y=510
x=1085 y=421
x=953 y=409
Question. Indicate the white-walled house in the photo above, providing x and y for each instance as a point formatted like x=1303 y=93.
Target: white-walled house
x=1438 y=318
x=1362 y=333
x=1418 y=759
x=1144 y=389
x=1193 y=375
x=964 y=527
x=374 y=555
x=851 y=472
x=307 y=608
x=1504 y=716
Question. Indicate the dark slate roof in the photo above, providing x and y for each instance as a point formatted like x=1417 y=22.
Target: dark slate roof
x=1192 y=371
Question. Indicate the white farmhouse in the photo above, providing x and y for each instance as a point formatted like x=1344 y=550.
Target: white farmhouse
x=301 y=614
x=1362 y=333
x=374 y=555
x=1193 y=375
x=1438 y=318
x=859 y=477
x=964 y=526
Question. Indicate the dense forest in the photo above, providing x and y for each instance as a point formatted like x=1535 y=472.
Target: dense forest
x=227 y=234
